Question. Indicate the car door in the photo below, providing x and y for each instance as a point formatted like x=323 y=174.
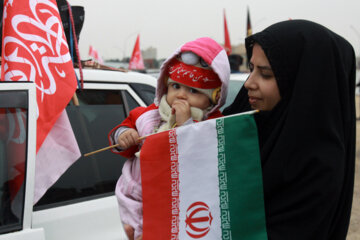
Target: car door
x=81 y=204
x=17 y=160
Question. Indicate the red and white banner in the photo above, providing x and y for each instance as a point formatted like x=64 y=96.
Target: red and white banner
x=34 y=48
x=248 y=24
x=136 y=60
x=95 y=55
x=227 y=44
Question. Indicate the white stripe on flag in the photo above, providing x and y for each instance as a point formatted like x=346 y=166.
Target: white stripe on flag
x=192 y=165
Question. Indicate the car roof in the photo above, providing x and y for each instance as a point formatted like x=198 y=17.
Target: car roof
x=111 y=76
x=239 y=76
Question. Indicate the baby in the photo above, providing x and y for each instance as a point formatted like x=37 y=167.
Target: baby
x=192 y=86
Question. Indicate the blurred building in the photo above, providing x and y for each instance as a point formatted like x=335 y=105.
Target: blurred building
x=238 y=58
x=238 y=52
x=150 y=58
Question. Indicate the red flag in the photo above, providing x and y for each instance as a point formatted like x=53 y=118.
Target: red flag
x=94 y=54
x=248 y=24
x=227 y=44
x=34 y=48
x=136 y=60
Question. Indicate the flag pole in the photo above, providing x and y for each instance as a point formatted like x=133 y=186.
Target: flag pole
x=75 y=99
x=143 y=137
x=113 y=146
x=101 y=150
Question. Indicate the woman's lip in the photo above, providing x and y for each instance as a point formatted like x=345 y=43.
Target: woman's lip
x=253 y=100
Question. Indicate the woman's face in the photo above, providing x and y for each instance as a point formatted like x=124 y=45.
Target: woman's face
x=262 y=87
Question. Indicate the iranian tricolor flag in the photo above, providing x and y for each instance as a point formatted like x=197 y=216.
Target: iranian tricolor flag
x=204 y=181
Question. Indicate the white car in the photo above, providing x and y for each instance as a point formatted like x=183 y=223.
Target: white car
x=81 y=204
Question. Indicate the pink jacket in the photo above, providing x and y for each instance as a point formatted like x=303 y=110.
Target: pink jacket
x=128 y=188
x=145 y=119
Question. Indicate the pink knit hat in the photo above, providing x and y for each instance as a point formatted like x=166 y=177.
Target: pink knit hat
x=213 y=54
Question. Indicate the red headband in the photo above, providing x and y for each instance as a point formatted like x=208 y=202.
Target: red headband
x=193 y=76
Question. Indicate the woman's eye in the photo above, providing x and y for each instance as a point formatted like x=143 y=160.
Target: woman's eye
x=192 y=90
x=251 y=67
x=267 y=75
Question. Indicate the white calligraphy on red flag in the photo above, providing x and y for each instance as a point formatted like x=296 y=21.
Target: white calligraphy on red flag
x=34 y=48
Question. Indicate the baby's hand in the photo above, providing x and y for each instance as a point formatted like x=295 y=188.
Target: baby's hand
x=181 y=109
x=128 y=139
x=129 y=230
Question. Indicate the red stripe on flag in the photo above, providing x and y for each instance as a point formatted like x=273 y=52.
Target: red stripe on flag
x=160 y=201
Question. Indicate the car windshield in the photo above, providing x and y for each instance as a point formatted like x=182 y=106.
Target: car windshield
x=234 y=88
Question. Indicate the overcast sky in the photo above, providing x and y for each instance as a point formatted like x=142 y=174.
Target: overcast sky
x=111 y=26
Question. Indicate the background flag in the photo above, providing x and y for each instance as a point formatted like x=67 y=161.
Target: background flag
x=136 y=60
x=95 y=55
x=34 y=48
x=227 y=44
x=204 y=181
x=248 y=24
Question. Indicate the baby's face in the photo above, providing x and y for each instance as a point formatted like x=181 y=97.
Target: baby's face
x=177 y=91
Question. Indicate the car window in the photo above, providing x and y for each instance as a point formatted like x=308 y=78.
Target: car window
x=130 y=101
x=234 y=88
x=13 y=139
x=96 y=175
x=146 y=92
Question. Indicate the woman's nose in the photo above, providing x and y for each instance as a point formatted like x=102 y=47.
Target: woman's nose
x=250 y=83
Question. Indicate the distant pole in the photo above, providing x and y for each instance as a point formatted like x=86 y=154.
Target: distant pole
x=358 y=35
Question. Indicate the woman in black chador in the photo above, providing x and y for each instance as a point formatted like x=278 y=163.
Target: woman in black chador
x=303 y=79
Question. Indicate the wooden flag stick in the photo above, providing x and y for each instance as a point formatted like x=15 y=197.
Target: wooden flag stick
x=101 y=150
x=75 y=99
x=112 y=146
x=143 y=137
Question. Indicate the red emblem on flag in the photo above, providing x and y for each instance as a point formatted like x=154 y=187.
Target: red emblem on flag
x=198 y=220
x=34 y=48
x=136 y=61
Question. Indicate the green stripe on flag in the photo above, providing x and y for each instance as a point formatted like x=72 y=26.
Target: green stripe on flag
x=240 y=178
